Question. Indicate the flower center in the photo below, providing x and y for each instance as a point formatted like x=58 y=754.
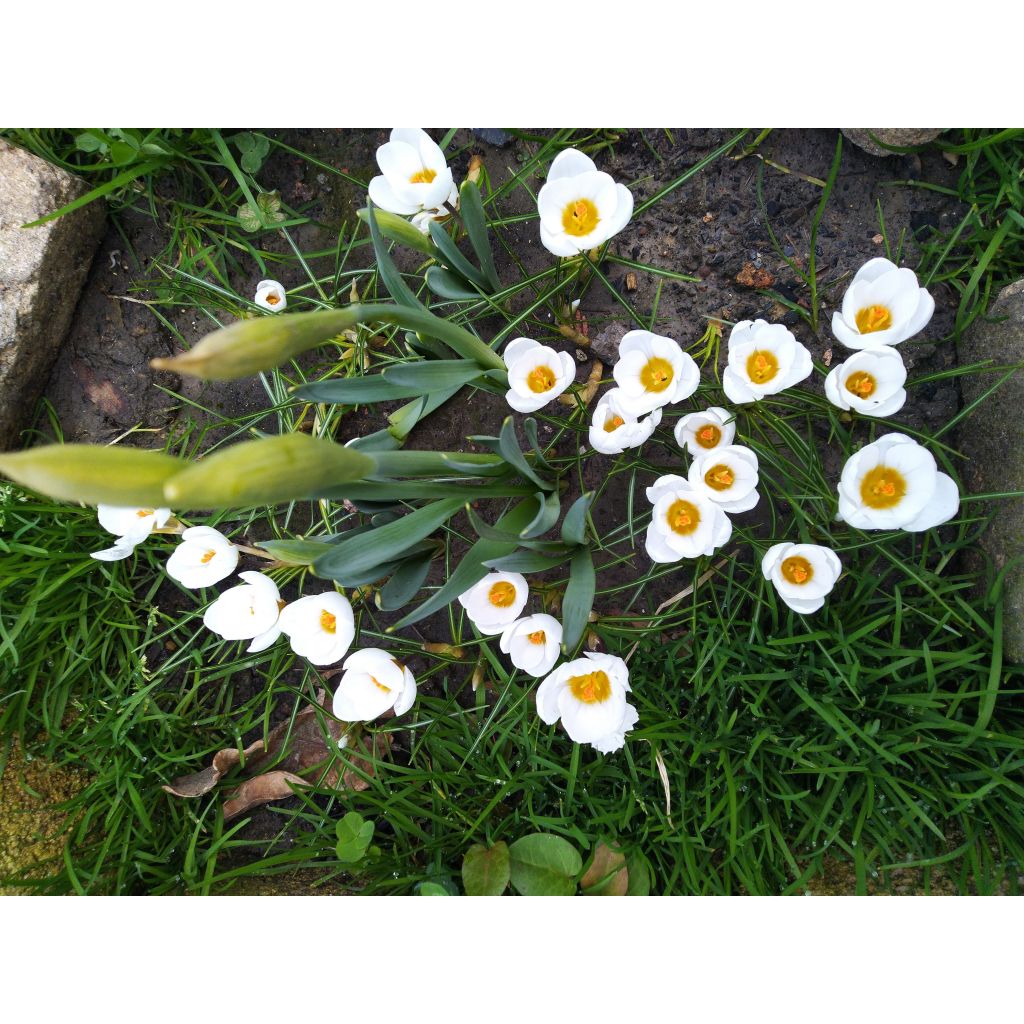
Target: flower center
x=143 y=512
x=579 y=218
x=423 y=177
x=541 y=379
x=273 y=299
x=613 y=423
x=591 y=688
x=861 y=384
x=657 y=374
x=328 y=622
x=502 y=594
x=380 y=686
x=762 y=366
x=798 y=570
x=873 y=318
x=207 y=556
x=708 y=436
x=883 y=487
x=720 y=478
x=683 y=517
x=537 y=637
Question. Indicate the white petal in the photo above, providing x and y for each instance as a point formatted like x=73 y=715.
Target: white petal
x=736 y=388
x=569 y=163
x=382 y=195
x=560 y=243
x=775 y=554
x=944 y=504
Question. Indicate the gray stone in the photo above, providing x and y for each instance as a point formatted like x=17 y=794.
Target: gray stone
x=605 y=345
x=899 y=137
x=42 y=271
x=992 y=438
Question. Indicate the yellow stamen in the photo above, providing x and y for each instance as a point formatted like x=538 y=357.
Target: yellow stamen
x=861 y=384
x=328 y=622
x=579 y=218
x=207 y=556
x=143 y=512
x=541 y=379
x=613 y=423
x=380 y=686
x=762 y=366
x=796 y=569
x=683 y=517
x=657 y=374
x=502 y=594
x=883 y=487
x=423 y=177
x=538 y=637
x=708 y=436
x=873 y=318
x=591 y=688
x=273 y=299
x=719 y=478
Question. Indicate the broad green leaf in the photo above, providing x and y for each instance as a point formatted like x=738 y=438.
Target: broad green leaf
x=487 y=532
x=486 y=872
x=527 y=561
x=448 y=285
x=579 y=598
x=403 y=420
x=547 y=516
x=398 y=229
x=606 y=874
x=471 y=208
x=405 y=582
x=574 y=526
x=431 y=889
x=508 y=445
x=354 y=836
x=544 y=865
x=393 y=280
x=378 y=441
x=354 y=390
x=453 y=259
x=392 y=491
x=432 y=375
x=639 y=870
x=530 y=430
x=434 y=464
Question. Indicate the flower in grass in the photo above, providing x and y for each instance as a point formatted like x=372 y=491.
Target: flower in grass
x=728 y=476
x=653 y=371
x=421 y=221
x=415 y=176
x=250 y=611
x=589 y=696
x=130 y=526
x=496 y=601
x=204 y=557
x=685 y=522
x=764 y=359
x=271 y=295
x=320 y=627
x=884 y=305
x=373 y=681
x=869 y=382
x=536 y=374
x=803 y=574
x=614 y=428
x=580 y=207
x=894 y=483
x=700 y=432
x=533 y=643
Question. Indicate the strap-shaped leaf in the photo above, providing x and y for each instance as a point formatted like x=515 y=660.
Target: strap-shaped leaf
x=346 y=577
x=579 y=598
x=428 y=376
x=355 y=390
x=402 y=463
x=393 y=280
x=530 y=430
x=391 y=491
x=527 y=561
x=453 y=259
x=471 y=207
x=398 y=229
x=547 y=516
x=405 y=582
x=449 y=285
x=574 y=526
x=508 y=445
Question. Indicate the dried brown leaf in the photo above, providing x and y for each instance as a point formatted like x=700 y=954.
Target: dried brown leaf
x=607 y=874
x=202 y=782
x=260 y=790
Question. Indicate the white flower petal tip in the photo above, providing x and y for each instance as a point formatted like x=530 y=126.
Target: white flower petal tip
x=653 y=371
x=496 y=601
x=884 y=305
x=122 y=548
x=536 y=374
x=763 y=360
x=319 y=627
x=131 y=526
x=802 y=574
x=894 y=484
x=614 y=428
x=271 y=295
x=685 y=522
x=204 y=557
x=373 y=682
x=533 y=643
x=728 y=475
x=870 y=382
x=588 y=695
x=701 y=432
x=415 y=177
x=580 y=207
x=249 y=611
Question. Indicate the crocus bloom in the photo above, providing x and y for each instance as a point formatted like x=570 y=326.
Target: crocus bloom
x=271 y=295
x=496 y=601
x=764 y=359
x=700 y=432
x=204 y=557
x=802 y=574
x=653 y=371
x=894 y=483
x=533 y=643
x=580 y=207
x=685 y=522
x=536 y=374
x=884 y=305
x=614 y=428
x=247 y=612
x=728 y=476
x=374 y=681
x=415 y=177
x=131 y=526
x=421 y=221
x=869 y=382
x=319 y=627
x=589 y=696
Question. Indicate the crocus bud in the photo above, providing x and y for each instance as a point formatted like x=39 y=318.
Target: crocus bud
x=476 y=165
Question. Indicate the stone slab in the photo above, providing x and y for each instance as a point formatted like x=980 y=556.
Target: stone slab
x=42 y=271
x=899 y=137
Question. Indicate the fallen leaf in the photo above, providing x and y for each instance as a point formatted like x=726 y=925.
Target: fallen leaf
x=261 y=790
x=607 y=874
x=202 y=782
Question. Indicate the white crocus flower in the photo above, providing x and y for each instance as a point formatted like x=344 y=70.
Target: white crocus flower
x=204 y=557
x=247 y=612
x=700 y=432
x=685 y=522
x=803 y=574
x=415 y=177
x=894 y=483
x=536 y=374
x=884 y=305
x=869 y=382
x=614 y=428
x=653 y=371
x=421 y=221
x=271 y=295
x=728 y=476
x=764 y=359
x=130 y=526
x=374 y=681
x=589 y=696
x=496 y=601
x=580 y=207
x=533 y=643
x=320 y=627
